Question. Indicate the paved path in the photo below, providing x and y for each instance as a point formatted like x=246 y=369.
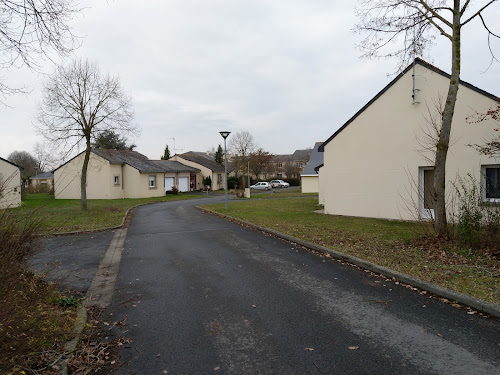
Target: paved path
x=71 y=261
x=205 y=296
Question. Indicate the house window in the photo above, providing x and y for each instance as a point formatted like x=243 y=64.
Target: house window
x=491 y=183
x=152 y=182
x=116 y=180
x=219 y=178
x=279 y=175
x=426 y=192
x=280 y=165
x=299 y=165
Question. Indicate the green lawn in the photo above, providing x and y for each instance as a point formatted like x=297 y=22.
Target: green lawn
x=406 y=247
x=65 y=215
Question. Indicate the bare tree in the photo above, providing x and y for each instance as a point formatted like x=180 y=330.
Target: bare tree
x=79 y=104
x=260 y=161
x=241 y=145
x=47 y=157
x=491 y=147
x=30 y=30
x=413 y=25
x=291 y=168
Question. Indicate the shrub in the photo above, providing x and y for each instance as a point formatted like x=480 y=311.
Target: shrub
x=207 y=181
x=477 y=223
x=233 y=182
x=17 y=240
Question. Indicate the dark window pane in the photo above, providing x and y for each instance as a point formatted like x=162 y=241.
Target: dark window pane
x=493 y=183
x=429 y=189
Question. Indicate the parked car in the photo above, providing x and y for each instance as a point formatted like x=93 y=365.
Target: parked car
x=279 y=184
x=261 y=186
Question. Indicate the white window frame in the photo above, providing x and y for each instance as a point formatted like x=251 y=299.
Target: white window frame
x=116 y=179
x=425 y=213
x=483 y=183
x=152 y=181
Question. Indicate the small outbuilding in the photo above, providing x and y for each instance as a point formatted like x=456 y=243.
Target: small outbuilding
x=309 y=178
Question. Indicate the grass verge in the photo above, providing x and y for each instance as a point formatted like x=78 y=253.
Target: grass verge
x=65 y=215
x=35 y=319
x=402 y=246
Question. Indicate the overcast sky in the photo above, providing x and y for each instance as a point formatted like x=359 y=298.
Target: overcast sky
x=288 y=72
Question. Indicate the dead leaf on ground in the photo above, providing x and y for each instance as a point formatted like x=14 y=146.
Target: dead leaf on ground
x=353 y=347
x=310 y=349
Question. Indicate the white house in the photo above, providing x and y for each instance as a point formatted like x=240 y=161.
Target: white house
x=377 y=164
x=115 y=174
x=10 y=184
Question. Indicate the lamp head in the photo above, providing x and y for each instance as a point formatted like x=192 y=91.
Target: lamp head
x=225 y=134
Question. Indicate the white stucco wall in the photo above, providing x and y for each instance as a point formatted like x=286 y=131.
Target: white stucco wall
x=310 y=184
x=100 y=180
x=205 y=172
x=371 y=167
x=10 y=185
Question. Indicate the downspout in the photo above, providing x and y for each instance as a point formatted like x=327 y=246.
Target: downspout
x=123 y=182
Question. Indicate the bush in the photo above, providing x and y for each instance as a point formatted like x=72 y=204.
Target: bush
x=233 y=182
x=207 y=181
x=174 y=190
x=477 y=223
x=17 y=240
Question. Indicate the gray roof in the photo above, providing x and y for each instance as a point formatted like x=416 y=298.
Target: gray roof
x=132 y=158
x=174 y=166
x=203 y=160
x=315 y=160
x=43 y=176
x=301 y=154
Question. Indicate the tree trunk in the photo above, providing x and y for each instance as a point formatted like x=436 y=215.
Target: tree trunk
x=83 y=182
x=441 y=223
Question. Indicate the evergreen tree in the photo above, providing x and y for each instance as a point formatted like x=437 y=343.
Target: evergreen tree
x=219 y=155
x=166 y=154
x=109 y=139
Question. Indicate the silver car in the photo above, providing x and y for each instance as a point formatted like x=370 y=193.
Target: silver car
x=261 y=186
x=279 y=184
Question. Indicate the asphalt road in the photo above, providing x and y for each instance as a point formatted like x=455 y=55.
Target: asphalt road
x=202 y=295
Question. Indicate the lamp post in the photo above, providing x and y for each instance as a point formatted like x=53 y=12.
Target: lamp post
x=248 y=158
x=225 y=135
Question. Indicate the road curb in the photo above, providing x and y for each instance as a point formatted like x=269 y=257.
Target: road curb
x=476 y=304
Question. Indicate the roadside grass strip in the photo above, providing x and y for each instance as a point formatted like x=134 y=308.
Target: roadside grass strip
x=65 y=215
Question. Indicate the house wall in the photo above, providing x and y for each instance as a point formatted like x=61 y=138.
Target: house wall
x=176 y=177
x=310 y=184
x=322 y=187
x=67 y=179
x=205 y=172
x=42 y=182
x=136 y=184
x=371 y=167
x=10 y=185
x=100 y=180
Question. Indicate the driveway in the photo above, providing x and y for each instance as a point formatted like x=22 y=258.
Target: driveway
x=202 y=295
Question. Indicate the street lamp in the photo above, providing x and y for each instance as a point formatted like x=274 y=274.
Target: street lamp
x=225 y=135
x=248 y=158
